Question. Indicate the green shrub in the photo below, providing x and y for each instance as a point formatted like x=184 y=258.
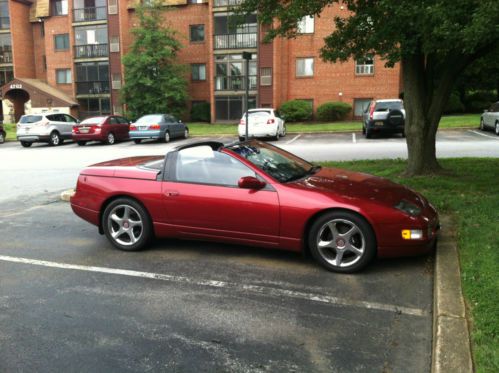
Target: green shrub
x=296 y=111
x=333 y=111
x=200 y=112
x=454 y=105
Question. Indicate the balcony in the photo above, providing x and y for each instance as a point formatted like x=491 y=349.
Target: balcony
x=4 y=23
x=6 y=56
x=235 y=83
x=92 y=88
x=220 y=3
x=90 y=14
x=91 y=51
x=235 y=41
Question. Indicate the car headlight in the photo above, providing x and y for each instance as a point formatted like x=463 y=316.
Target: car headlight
x=408 y=208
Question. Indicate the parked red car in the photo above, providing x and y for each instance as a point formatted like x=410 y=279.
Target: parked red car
x=107 y=129
x=255 y=194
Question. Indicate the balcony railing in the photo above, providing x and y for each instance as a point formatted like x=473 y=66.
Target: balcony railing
x=92 y=88
x=91 y=51
x=89 y=14
x=235 y=41
x=219 y=3
x=234 y=83
x=5 y=56
x=4 y=23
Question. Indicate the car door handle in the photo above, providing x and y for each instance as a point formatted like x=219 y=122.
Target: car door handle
x=171 y=193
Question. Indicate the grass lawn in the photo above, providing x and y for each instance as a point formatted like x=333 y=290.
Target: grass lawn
x=11 y=131
x=453 y=121
x=468 y=191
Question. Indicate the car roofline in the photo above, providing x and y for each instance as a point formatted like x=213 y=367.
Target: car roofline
x=215 y=145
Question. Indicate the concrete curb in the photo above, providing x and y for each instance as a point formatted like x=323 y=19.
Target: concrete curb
x=451 y=339
x=67 y=194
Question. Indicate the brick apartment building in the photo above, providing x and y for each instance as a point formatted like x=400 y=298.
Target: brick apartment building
x=66 y=55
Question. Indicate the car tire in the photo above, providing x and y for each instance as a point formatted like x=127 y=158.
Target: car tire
x=126 y=224
x=497 y=128
x=241 y=138
x=186 y=133
x=2 y=137
x=482 y=125
x=276 y=136
x=167 y=138
x=137 y=141
x=26 y=144
x=110 y=139
x=342 y=241
x=283 y=133
x=55 y=139
x=81 y=143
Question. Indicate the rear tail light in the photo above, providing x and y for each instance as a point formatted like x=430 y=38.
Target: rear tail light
x=271 y=121
x=371 y=112
x=242 y=122
x=97 y=127
x=75 y=130
x=133 y=127
x=154 y=127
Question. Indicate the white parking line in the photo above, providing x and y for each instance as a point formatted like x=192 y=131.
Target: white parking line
x=294 y=139
x=485 y=135
x=262 y=290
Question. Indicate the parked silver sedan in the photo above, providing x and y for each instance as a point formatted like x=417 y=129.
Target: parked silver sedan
x=490 y=119
x=162 y=127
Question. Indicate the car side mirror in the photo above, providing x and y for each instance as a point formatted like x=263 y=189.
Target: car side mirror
x=250 y=182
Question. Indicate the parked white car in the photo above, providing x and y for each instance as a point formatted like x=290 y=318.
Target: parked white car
x=52 y=128
x=490 y=119
x=262 y=122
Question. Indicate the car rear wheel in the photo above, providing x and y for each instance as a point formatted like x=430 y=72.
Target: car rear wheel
x=126 y=224
x=26 y=144
x=55 y=139
x=81 y=143
x=2 y=137
x=342 y=242
x=241 y=138
x=283 y=133
x=186 y=133
x=497 y=129
x=276 y=136
x=482 y=126
x=137 y=141
x=110 y=140
x=167 y=136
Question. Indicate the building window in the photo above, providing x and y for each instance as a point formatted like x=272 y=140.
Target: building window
x=6 y=75
x=232 y=107
x=114 y=44
x=90 y=10
x=90 y=107
x=116 y=81
x=304 y=67
x=266 y=76
x=5 y=48
x=112 y=6
x=197 y=1
x=59 y=7
x=91 y=42
x=61 y=42
x=360 y=105
x=92 y=78
x=305 y=25
x=197 y=33
x=63 y=76
x=198 y=71
x=230 y=72
x=364 y=66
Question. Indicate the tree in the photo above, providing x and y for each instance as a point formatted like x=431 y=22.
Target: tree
x=435 y=41
x=154 y=81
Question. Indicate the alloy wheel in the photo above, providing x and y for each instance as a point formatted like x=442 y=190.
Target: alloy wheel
x=125 y=225
x=55 y=139
x=167 y=136
x=111 y=139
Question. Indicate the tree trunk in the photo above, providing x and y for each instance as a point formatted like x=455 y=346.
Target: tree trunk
x=420 y=126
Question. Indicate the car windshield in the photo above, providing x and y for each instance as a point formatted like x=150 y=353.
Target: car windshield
x=30 y=118
x=279 y=164
x=94 y=120
x=389 y=105
x=148 y=119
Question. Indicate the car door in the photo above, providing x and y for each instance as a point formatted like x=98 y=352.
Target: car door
x=113 y=126
x=69 y=122
x=202 y=199
x=171 y=125
x=124 y=127
x=59 y=121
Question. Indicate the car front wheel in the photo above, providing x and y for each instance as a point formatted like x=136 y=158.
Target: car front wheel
x=55 y=139
x=167 y=137
x=497 y=129
x=342 y=242
x=186 y=133
x=126 y=224
x=26 y=144
x=110 y=140
x=2 y=137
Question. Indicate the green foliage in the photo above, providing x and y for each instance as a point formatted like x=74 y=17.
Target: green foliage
x=200 y=112
x=479 y=101
x=454 y=105
x=296 y=110
x=333 y=111
x=154 y=81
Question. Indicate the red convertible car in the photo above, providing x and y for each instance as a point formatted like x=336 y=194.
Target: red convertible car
x=255 y=194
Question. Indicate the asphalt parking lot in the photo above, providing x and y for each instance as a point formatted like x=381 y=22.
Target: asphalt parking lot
x=71 y=302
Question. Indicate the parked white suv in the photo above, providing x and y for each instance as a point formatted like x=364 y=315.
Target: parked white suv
x=52 y=128
x=263 y=122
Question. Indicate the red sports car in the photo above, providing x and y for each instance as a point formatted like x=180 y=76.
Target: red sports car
x=255 y=194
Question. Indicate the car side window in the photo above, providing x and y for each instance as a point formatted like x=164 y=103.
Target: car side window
x=203 y=165
x=113 y=120
x=69 y=118
x=169 y=119
x=52 y=118
x=121 y=120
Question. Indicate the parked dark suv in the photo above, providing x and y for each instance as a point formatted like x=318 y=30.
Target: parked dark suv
x=384 y=116
x=2 y=134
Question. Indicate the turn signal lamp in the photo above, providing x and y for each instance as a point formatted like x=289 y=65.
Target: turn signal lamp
x=412 y=234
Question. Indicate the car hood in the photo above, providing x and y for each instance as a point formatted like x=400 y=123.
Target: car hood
x=350 y=186
x=131 y=167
